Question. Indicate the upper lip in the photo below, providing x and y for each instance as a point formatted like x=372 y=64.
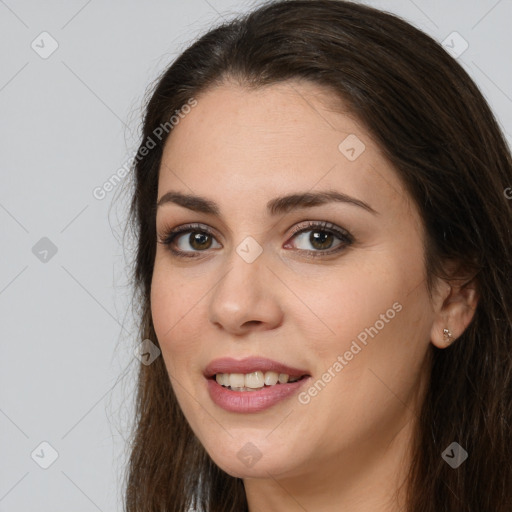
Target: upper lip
x=249 y=365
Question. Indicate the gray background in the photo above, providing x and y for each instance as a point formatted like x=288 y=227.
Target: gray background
x=68 y=123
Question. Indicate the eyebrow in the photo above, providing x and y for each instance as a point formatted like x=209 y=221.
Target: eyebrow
x=276 y=206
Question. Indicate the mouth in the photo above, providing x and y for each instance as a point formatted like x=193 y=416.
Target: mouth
x=254 y=381
x=252 y=384
x=256 y=372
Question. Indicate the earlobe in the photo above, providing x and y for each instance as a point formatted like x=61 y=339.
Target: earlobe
x=447 y=336
x=455 y=314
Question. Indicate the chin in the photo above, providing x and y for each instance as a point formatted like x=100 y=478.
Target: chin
x=252 y=462
x=260 y=469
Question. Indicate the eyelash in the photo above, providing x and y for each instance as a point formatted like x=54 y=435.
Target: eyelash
x=169 y=235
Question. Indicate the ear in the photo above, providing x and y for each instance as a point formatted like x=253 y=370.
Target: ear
x=455 y=304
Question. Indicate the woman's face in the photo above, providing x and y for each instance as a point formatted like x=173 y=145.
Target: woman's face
x=344 y=304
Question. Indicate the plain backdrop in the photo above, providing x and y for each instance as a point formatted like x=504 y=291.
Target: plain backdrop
x=72 y=81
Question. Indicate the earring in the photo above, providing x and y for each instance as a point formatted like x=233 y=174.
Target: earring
x=447 y=336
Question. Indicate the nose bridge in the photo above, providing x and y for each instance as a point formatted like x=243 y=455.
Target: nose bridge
x=245 y=266
x=242 y=295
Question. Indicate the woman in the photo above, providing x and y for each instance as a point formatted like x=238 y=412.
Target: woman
x=324 y=261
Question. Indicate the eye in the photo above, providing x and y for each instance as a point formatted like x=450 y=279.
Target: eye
x=322 y=238
x=199 y=239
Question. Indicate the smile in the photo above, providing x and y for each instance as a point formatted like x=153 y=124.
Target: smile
x=253 y=384
x=253 y=381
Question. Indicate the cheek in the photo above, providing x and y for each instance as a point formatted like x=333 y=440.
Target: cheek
x=176 y=311
x=338 y=308
x=367 y=370
x=376 y=315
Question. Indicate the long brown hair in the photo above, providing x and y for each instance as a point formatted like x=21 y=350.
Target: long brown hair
x=436 y=128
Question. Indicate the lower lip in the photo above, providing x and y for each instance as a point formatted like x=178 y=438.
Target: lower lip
x=252 y=401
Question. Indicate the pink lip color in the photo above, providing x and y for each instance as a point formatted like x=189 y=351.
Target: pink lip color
x=251 y=401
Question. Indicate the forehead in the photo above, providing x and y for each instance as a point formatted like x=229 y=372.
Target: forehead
x=242 y=144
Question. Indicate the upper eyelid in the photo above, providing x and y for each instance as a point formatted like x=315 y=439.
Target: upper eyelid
x=309 y=224
x=320 y=225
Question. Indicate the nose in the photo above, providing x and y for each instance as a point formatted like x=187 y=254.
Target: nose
x=246 y=297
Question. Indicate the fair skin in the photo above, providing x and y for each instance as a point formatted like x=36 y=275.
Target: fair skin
x=348 y=447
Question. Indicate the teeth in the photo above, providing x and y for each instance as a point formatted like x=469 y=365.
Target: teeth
x=236 y=380
x=271 y=378
x=252 y=381
x=222 y=379
x=283 y=378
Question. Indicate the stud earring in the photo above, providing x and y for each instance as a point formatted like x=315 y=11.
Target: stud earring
x=447 y=335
